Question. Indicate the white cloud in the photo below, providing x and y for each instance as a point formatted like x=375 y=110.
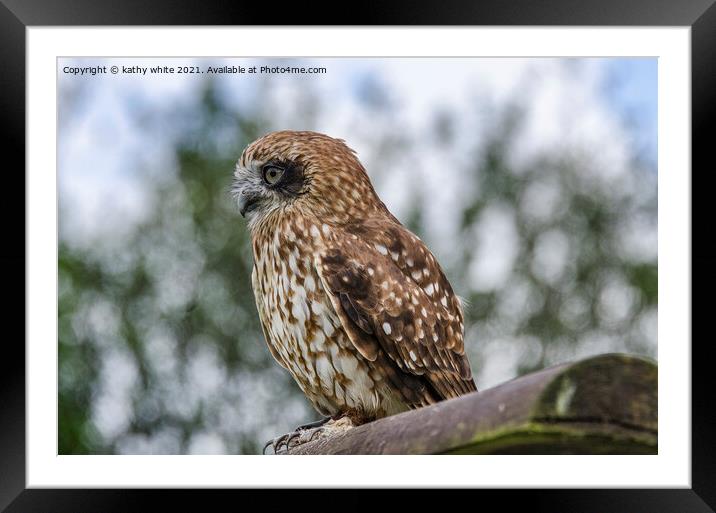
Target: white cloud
x=101 y=149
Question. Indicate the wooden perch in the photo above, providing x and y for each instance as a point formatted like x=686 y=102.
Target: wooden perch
x=602 y=405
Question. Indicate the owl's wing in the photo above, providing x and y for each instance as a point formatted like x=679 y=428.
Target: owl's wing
x=393 y=299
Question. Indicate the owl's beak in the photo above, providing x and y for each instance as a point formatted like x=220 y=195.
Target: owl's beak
x=246 y=201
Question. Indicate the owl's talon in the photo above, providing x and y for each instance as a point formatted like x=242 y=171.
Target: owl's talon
x=276 y=443
x=315 y=433
x=263 y=451
x=293 y=436
x=282 y=441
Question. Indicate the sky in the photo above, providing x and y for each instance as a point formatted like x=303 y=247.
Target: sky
x=101 y=151
x=630 y=86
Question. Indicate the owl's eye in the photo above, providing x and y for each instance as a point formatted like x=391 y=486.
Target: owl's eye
x=272 y=174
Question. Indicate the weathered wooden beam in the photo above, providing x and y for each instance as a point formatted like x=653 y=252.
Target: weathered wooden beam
x=602 y=405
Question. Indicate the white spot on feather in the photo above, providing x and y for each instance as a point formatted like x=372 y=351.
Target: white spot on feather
x=317 y=307
x=387 y=328
x=349 y=365
x=327 y=326
x=381 y=249
x=299 y=311
x=319 y=342
x=326 y=372
x=292 y=264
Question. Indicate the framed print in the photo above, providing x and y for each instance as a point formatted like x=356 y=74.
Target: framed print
x=438 y=245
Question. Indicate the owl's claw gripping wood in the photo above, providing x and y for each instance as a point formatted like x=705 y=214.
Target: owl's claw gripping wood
x=285 y=440
x=329 y=427
x=281 y=444
x=276 y=443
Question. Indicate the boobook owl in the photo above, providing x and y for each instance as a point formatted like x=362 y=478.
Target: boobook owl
x=351 y=302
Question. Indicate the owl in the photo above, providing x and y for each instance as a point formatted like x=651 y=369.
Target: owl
x=352 y=304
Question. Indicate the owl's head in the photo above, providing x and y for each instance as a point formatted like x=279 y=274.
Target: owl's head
x=305 y=173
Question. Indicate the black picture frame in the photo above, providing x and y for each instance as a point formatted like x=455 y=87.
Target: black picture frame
x=17 y=15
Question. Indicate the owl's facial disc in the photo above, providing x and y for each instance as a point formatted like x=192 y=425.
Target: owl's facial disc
x=260 y=187
x=248 y=190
